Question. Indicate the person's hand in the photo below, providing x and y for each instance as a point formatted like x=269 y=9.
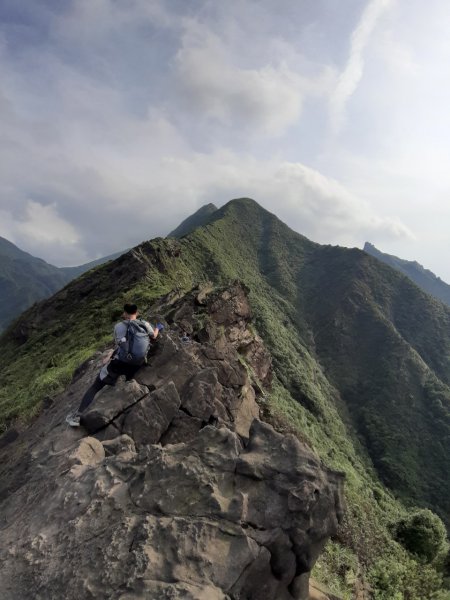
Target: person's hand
x=159 y=326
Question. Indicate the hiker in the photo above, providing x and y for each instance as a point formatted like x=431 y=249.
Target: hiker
x=132 y=340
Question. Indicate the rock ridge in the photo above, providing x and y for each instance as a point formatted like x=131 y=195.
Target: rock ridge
x=173 y=487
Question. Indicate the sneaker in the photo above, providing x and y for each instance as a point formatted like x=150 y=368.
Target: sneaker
x=73 y=420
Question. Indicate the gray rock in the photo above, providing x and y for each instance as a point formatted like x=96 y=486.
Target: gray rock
x=150 y=419
x=163 y=505
x=183 y=428
x=200 y=393
x=172 y=362
x=122 y=446
x=111 y=402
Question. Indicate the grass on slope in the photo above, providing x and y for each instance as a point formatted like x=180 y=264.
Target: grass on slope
x=67 y=329
x=247 y=243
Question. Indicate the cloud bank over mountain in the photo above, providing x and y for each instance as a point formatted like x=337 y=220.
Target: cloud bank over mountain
x=119 y=121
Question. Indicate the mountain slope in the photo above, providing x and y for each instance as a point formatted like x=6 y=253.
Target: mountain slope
x=199 y=218
x=359 y=355
x=25 y=279
x=73 y=272
x=382 y=343
x=424 y=278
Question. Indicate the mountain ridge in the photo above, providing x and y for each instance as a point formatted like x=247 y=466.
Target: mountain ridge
x=357 y=352
x=25 y=279
x=424 y=278
x=197 y=219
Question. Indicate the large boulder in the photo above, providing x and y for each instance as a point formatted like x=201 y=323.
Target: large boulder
x=152 y=417
x=111 y=402
x=211 y=516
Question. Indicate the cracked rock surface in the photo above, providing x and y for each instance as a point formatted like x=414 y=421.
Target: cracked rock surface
x=173 y=488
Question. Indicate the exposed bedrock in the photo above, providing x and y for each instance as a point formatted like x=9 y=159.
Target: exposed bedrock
x=173 y=488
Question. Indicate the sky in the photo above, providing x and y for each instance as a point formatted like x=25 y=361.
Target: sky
x=119 y=118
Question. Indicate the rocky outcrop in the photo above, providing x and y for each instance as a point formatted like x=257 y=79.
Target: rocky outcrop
x=173 y=488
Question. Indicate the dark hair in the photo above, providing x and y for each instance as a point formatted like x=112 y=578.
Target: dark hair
x=130 y=309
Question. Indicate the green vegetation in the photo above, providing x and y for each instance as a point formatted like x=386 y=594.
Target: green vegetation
x=423 y=534
x=25 y=279
x=201 y=217
x=362 y=371
x=424 y=278
x=403 y=579
x=45 y=346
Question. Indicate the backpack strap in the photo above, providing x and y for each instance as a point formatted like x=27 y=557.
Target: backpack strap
x=129 y=342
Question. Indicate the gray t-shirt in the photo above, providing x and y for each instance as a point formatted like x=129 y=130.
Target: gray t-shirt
x=120 y=331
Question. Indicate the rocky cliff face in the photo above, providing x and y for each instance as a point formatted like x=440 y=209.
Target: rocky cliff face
x=173 y=488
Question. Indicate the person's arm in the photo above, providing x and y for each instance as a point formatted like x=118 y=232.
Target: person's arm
x=120 y=333
x=108 y=356
x=153 y=331
x=157 y=329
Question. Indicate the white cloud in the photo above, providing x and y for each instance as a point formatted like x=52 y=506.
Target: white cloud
x=142 y=111
x=320 y=207
x=316 y=206
x=268 y=98
x=43 y=224
x=94 y=205
x=7 y=225
x=40 y=230
x=353 y=72
x=398 y=56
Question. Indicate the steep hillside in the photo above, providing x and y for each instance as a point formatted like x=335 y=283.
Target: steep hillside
x=381 y=343
x=424 y=278
x=361 y=369
x=199 y=218
x=73 y=272
x=25 y=279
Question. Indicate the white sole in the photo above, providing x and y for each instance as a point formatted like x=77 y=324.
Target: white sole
x=70 y=422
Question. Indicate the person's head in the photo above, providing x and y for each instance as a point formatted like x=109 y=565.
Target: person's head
x=130 y=311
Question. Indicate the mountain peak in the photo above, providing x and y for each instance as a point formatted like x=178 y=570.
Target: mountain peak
x=323 y=312
x=247 y=204
x=10 y=250
x=197 y=219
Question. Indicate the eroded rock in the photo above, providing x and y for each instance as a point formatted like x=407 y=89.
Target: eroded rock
x=208 y=516
x=185 y=494
x=111 y=402
x=150 y=419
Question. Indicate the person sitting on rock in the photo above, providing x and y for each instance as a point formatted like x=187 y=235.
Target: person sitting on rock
x=132 y=341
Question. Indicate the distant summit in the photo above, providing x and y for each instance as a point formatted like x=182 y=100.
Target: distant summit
x=198 y=219
x=26 y=279
x=422 y=277
x=73 y=272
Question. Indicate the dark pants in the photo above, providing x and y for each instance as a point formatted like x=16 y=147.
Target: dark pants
x=90 y=394
x=107 y=376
